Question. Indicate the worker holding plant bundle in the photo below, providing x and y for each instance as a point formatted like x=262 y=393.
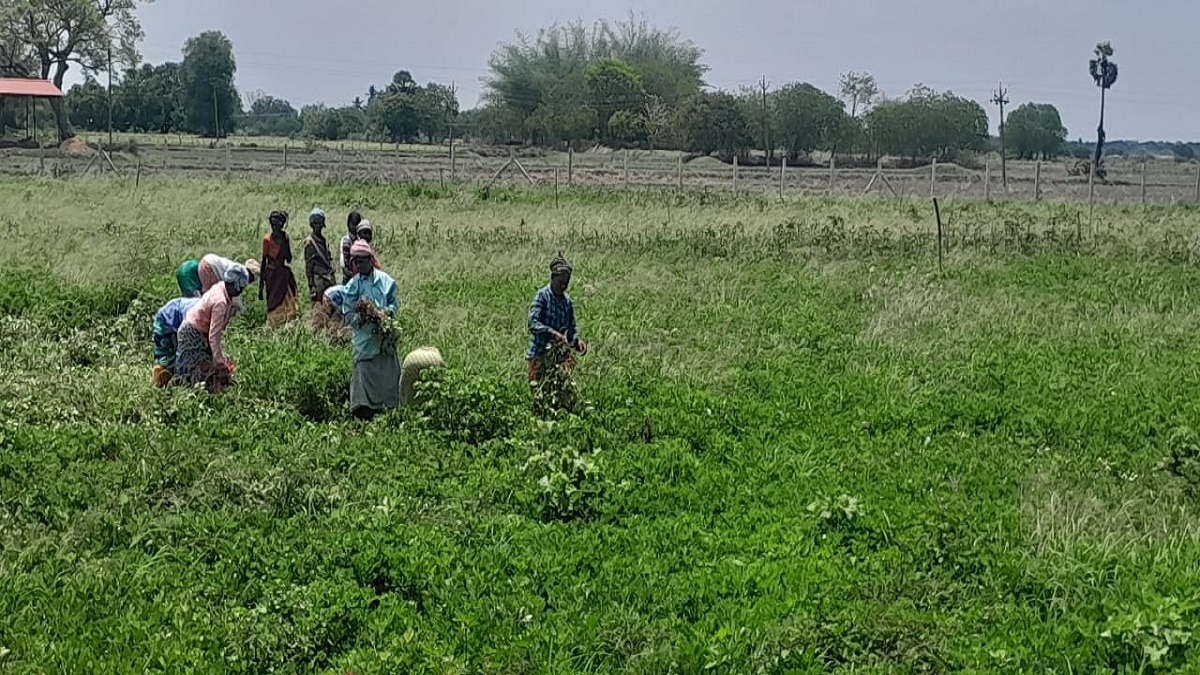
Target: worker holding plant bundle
x=369 y=306
x=201 y=357
x=318 y=261
x=278 y=282
x=552 y=322
x=167 y=321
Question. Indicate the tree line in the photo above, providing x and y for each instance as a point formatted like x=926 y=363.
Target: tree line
x=623 y=84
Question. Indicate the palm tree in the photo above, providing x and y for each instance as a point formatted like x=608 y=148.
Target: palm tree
x=1104 y=73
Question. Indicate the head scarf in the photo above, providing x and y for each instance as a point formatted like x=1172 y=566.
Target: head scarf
x=317 y=216
x=237 y=277
x=361 y=248
x=253 y=268
x=278 y=216
x=559 y=265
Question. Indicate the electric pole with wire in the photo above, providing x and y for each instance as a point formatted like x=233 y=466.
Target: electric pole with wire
x=110 y=100
x=766 y=123
x=1000 y=98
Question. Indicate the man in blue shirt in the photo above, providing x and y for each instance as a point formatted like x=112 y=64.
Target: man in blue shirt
x=552 y=320
x=375 y=379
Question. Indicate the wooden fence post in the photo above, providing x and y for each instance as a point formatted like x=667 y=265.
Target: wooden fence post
x=987 y=182
x=285 y=149
x=782 y=174
x=556 y=188
x=625 y=170
x=228 y=158
x=1198 y=183
x=679 y=171
x=1143 y=182
x=735 y=172
x=41 y=158
x=1037 y=181
x=832 y=172
x=166 y=151
x=570 y=167
x=933 y=179
x=341 y=163
x=453 y=163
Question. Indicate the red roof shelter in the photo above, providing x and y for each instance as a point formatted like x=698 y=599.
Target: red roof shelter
x=28 y=89
x=19 y=86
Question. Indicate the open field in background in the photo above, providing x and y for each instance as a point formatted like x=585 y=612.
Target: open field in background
x=1166 y=181
x=808 y=450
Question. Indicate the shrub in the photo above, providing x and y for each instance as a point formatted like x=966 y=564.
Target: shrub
x=468 y=410
x=568 y=484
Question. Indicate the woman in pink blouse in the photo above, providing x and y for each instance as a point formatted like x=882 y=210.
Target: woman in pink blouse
x=201 y=357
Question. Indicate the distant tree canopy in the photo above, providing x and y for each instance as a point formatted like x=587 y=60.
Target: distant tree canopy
x=928 y=124
x=1035 y=131
x=210 y=101
x=622 y=84
x=570 y=81
x=407 y=112
x=145 y=99
x=269 y=116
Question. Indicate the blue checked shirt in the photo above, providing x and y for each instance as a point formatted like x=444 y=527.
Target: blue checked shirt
x=549 y=313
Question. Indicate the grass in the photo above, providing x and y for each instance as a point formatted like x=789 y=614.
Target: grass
x=804 y=449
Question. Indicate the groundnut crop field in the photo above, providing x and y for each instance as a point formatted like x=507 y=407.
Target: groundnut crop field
x=801 y=446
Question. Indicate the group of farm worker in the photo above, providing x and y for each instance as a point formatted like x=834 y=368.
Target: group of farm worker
x=189 y=330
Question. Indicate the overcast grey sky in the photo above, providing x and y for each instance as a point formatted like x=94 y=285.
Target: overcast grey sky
x=308 y=51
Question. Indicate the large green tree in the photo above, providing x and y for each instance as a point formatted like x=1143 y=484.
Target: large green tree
x=209 y=98
x=405 y=111
x=715 y=123
x=860 y=92
x=928 y=124
x=614 y=86
x=57 y=33
x=269 y=116
x=1035 y=131
x=529 y=74
x=808 y=119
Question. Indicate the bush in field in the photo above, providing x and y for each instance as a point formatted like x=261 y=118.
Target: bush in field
x=464 y=409
x=567 y=484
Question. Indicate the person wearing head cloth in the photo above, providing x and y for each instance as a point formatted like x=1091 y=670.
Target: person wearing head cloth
x=366 y=232
x=278 y=282
x=187 y=275
x=552 y=320
x=213 y=268
x=375 y=378
x=327 y=315
x=195 y=277
x=167 y=321
x=352 y=223
x=201 y=356
x=318 y=261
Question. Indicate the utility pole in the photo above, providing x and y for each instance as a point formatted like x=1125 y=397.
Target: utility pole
x=216 y=116
x=450 y=119
x=1000 y=98
x=766 y=123
x=110 y=135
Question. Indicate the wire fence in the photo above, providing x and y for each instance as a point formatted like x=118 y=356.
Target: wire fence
x=1127 y=181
